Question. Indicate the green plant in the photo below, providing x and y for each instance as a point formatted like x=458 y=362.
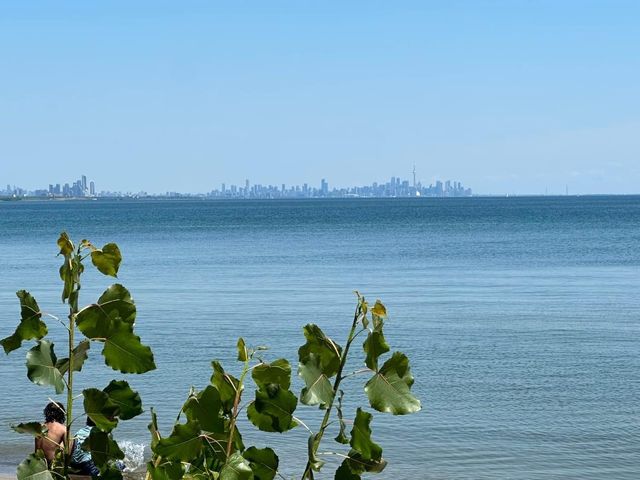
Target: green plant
x=109 y=321
x=209 y=445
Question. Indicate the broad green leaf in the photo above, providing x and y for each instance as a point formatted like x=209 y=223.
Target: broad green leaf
x=166 y=471
x=238 y=443
x=114 y=306
x=243 y=354
x=319 y=360
x=357 y=464
x=66 y=275
x=41 y=366
x=111 y=321
x=123 y=351
x=32 y=428
x=236 y=468
x=263 y=462
x=361 y=437
x=374 y=346
x=272 y=409
x=65 y=244
x=278 y=372
x=184 y=444
x=79 y=356
x=318 y=390
x=326 y=350
x=226 y=384
x=205 y=409
x=108 y=259
x=342 y=436
x=153 y=429
x=102 y=446
x=344 y=472
x=34 y=467
x=30 y=327
x=389 y=390
x=128 y=401
x=99 y=407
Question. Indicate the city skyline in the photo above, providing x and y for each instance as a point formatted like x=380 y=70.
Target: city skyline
x=395 y=187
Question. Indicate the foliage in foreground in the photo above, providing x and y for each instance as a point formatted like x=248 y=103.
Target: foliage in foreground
x=108 y=322
x=207 y=444
x=205 y=441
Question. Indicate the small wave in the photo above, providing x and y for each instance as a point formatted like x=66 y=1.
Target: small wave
x=134 y=454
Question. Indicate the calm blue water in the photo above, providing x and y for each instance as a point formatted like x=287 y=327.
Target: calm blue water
x=520 y=316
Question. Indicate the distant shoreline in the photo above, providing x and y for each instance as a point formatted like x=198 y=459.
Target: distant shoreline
x=204 y=198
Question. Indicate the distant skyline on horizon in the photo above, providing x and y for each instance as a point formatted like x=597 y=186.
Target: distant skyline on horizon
x=560 y=190
x=394 y=186
x=508 y=97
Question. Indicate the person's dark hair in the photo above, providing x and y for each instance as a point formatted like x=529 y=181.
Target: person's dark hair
x=54 y=412
x=90 y=422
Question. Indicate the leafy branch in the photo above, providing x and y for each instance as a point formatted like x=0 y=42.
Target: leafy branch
x=208 y=444
x=110 y=321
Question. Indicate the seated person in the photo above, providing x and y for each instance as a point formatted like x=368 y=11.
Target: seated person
x=53 y=441
x=81 y=459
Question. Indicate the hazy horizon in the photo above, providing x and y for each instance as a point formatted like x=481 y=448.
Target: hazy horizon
x=507 y=97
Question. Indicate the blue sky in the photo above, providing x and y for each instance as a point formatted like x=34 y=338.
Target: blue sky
x=505 y=96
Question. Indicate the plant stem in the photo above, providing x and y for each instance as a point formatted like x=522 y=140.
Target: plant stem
x=236 y=403
x=73 y=310
x=68 y=437
x=336 y=385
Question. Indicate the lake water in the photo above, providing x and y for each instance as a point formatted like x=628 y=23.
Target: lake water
x=521 y=317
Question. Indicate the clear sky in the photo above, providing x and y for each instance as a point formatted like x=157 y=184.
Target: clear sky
x=505 y=96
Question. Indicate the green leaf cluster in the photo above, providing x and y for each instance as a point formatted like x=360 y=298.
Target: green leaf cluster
x=389 y=390
x=208 y=444
x=205 y=442
x=109 y=321
x=365 y=455
x=274 y=404
x=117 y=401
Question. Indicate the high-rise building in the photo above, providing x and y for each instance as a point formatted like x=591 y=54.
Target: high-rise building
x=92 y=189
x=84 y=183
x=324 y=187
